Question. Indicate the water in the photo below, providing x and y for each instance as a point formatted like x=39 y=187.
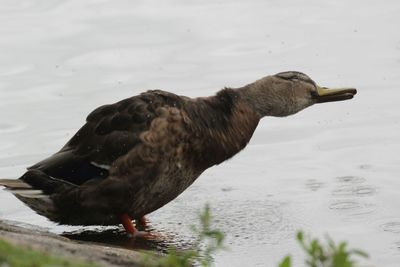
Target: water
x=332 y=168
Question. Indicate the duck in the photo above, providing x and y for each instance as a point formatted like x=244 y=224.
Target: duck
x=134 y=156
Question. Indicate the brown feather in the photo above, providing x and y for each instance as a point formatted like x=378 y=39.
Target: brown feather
x=180 y=139
x=134 y=156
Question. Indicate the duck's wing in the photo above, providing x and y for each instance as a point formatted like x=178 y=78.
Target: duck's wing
x=110 y=132
x=156 y=170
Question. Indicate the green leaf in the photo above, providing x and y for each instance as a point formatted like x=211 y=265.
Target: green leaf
x=287 y=262
x=300 y=236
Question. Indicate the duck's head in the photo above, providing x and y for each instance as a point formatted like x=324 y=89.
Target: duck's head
x=287 y=93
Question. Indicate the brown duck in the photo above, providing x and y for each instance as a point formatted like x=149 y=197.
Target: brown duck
x=135 y=156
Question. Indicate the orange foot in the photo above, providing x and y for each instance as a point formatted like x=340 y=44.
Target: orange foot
x=131 y=229
x=142 y=222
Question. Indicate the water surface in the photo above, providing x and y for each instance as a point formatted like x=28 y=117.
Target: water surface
x=333 y=168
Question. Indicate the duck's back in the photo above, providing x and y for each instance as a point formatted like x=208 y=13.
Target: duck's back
x=110 y=132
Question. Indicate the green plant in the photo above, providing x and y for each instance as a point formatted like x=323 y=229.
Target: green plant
x=328 y=255
x=15 y=256
x=208 y=241
x=212 y=238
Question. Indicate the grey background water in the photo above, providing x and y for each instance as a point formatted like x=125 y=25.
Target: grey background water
x=333 y=168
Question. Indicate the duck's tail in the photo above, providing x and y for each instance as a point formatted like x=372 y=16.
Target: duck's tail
x=34 y=198
x=35 y=188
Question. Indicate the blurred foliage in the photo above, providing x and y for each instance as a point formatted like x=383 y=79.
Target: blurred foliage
x=208 y=241
x=13 y=256
x=325 y=255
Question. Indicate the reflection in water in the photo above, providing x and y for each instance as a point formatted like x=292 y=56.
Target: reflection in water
x=117 y=237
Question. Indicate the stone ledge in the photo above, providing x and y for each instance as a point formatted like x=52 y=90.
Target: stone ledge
x=41 y=240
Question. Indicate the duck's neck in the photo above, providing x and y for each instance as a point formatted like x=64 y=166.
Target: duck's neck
x=223 y=125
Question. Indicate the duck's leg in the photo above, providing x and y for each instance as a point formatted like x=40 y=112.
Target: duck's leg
x=128 y=225
x=142 y=222
x=131 y=229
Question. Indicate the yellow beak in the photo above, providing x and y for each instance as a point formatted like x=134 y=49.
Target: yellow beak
x=324 y=94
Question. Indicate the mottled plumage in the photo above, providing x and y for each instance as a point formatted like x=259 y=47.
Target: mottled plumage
x=136 y=155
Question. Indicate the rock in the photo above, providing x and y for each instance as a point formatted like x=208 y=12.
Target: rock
x=41 y=240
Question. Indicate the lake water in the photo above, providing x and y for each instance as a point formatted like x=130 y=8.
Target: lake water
x=331 y=169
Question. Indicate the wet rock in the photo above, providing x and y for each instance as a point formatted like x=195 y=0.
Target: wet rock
x=41 y=240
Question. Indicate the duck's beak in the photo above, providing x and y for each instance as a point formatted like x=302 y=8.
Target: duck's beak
x=324 y=94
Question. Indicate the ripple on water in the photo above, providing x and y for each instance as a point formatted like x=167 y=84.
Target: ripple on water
x=353 y=186
x=270 y=228
x=244 y=222
x=392 y=227
x=313 y=184
x=227 y=189
x=350 y=179
x=365 y=166
x=364 y=191
x=345 y=205
x=347 y=191
x=352 y=207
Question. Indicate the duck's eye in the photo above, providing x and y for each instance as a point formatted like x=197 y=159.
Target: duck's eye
x=314 y=93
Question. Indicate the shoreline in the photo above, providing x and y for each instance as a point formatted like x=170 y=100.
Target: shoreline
x=40 y=240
